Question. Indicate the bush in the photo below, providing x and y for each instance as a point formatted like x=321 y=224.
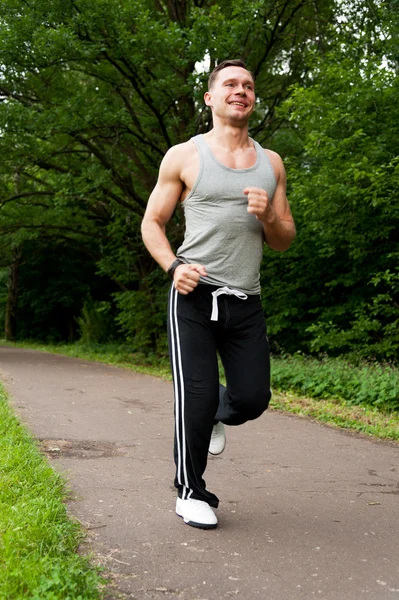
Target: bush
x=371 y=384
x=96 y=323
x=142 y=319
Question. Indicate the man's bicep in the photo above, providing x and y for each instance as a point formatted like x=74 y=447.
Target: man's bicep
x=166 y=194
x=163 y=201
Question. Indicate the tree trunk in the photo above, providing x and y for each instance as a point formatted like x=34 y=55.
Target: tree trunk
x=10 y=325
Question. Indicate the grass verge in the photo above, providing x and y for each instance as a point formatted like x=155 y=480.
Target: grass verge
x=301 y=386
x=38 y=541
x=338 y=413
x=369 y=384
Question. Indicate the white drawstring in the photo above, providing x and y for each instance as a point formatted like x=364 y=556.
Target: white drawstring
x=229 y=292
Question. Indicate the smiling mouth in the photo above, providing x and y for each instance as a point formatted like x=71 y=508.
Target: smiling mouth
x=238 y=104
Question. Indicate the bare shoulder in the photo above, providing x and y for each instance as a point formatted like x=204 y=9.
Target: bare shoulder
x=276 y=162
x=177 y=158
x=181 y=150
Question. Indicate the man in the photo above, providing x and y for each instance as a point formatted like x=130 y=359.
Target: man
x=234 y=196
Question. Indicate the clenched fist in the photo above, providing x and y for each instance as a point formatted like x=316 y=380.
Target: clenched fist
x=258 y=203
x=186 y=277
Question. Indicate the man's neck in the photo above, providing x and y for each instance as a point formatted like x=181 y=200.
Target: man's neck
x=229 y=137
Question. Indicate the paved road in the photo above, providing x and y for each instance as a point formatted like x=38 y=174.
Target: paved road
x=306 y=511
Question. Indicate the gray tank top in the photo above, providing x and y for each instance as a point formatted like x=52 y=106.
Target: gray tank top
x=220 y=234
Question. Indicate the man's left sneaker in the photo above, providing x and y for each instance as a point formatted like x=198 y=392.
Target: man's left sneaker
x=196 y=513
x=218 y=439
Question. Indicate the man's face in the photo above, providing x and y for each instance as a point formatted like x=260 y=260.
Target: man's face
x=232 y=95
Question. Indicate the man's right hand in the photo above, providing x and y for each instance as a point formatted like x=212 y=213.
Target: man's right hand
x=186 y=277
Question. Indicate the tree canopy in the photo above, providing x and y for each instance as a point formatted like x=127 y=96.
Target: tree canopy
x=94 y=92
x=341 y=280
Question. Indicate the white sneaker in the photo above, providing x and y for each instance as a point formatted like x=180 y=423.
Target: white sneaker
x=218 y=439
x=196 y=513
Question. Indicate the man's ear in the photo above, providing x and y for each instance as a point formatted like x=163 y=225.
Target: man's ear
x=208 y=98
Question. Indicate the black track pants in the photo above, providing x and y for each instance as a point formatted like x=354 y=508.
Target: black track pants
x=239 y=336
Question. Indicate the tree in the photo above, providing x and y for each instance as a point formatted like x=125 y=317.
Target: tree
x=93 y=93
x=340 y=285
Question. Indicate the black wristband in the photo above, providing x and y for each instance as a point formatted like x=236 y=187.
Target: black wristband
x=173 y=267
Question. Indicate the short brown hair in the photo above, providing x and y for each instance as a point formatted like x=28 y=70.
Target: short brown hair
x=236 y=62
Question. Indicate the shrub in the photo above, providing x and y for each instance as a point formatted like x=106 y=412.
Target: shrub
x=371 y=384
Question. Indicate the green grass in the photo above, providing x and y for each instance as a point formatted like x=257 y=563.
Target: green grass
x=357 y=397
x=337 y=413
x=368 y=384
x=39 y=557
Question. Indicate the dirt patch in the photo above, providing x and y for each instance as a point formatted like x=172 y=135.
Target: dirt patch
x=81 y=449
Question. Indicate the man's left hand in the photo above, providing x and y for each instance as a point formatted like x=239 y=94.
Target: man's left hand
x=258 y=203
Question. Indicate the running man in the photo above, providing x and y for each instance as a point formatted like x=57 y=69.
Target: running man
x=233 y=194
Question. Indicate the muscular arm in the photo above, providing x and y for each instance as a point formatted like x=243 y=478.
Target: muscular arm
x=275 y=215
x=160 y=207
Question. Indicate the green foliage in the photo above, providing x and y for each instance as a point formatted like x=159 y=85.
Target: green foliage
x=338 y=413
x=96 y=323
x=38 y=547
x=54 y=281
x=94 y=92
x=337 y=290
x=364 y=384
x=3 y=293
x=142 y=316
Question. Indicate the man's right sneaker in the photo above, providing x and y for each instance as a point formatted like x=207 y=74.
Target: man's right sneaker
x=218 y=439
x=196 y=513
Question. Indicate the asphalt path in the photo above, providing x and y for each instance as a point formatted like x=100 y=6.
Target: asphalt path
x=307 y=511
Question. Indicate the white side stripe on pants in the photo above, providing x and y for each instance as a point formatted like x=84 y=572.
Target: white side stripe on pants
x=178 y=383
